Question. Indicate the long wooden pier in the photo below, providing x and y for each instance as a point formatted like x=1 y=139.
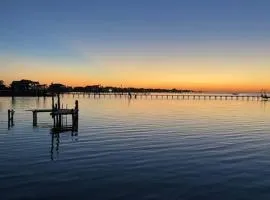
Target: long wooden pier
x=172 y=96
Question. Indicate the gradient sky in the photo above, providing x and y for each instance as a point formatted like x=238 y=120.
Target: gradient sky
x=191 y=44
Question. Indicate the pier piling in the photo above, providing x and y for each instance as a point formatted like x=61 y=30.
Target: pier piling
x=34 y=118
x=58 y=114
x=10 y=117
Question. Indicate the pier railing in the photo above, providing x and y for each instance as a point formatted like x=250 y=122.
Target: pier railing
x=171 y=96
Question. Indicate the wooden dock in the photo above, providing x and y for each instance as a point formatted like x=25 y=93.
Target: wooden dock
x=57 y=114
x=172 y=96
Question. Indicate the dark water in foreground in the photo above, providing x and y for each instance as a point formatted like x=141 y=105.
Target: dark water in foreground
x=138 y=149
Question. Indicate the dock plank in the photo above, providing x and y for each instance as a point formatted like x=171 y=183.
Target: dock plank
x=40 y=110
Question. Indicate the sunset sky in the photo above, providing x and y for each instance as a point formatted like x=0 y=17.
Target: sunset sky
x=212 y=45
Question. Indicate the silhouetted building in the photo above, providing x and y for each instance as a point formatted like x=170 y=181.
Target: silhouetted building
x=92 y=88
x=78 y=89
x=58 y=87
x=24 y=86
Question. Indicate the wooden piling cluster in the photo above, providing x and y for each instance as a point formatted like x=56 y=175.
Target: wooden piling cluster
x=57 y=114
x=10 y=117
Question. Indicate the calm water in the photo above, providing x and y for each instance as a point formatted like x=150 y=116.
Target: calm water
x=138 y=149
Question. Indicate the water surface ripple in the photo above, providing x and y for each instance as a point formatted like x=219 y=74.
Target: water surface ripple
x=138 y=149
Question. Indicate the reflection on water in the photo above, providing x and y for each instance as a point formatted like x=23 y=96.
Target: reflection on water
x=137 y=149
x=55 y=142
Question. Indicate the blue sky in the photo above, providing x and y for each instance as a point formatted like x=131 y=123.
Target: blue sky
x=86 y=31
x=35 y=25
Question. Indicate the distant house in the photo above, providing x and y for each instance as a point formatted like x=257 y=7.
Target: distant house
x=42 y=86
x=78 y=89
x=24 y=86
x=58 y=87
x=92 y=88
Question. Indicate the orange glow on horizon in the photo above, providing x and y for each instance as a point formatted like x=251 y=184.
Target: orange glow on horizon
x=210 y=87
x=193 y=73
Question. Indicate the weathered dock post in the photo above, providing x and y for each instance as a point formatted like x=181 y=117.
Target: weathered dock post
x=52 y=101
x=58 y=108
x=75 y=117
x=34 y=118
x=10 y=117
x=58 y=101
x=53 y=109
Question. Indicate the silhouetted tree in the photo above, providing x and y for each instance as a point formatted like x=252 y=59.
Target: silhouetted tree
x=24 y=86
x=2 y=85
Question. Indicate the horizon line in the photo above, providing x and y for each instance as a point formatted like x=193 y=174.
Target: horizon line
x=194 y=89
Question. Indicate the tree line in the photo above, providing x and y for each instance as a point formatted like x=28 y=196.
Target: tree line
x=34 y=88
